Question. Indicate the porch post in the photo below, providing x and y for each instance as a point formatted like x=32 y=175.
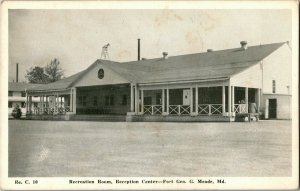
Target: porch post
x=196 y=100
x=142 y=101
x=47 y=103
x=191 y=100
x=58 y=104
x=42 y=108
x=163 y=101
x=74 y=101
x=55 y=108
x=258 y=100
x=246 y=99
x=229 y=99
x=43 y=105
x=27 y=103
x=168 y=101
x=267 y=109
x=223 y=100
x=136 y=99
x=131 y=98
x=30 y=104
x=71 y=100
x=232 y=99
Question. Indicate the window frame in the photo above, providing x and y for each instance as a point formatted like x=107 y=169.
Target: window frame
x=273 y=86
x=124 y=99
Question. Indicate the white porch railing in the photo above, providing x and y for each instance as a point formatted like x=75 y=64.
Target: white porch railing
x=50 y=110
x=210 y=109
x=203 y=109
x=152 y=109
x=179 y=109
x=240 y=108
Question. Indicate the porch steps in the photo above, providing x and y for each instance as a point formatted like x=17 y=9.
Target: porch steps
x=113 y=118
x=77 y=117
x=123 y=118
x=175 y=118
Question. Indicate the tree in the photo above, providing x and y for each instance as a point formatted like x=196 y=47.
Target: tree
x=54 y=71
x=51 y=73
x=36 y=75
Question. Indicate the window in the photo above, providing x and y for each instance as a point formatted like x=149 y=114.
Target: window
x=95 y=101
x=109 y=100
x=100 y=73
x=23 y=94
x=82 y=100
x=147 y=100
x=10 y=93
x=9 y=104
x=124 y=100
x=106 y=100
x=273 y=86
x=23 y=104
x=158 y=99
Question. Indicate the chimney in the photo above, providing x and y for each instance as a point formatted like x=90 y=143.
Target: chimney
x=243 y=45
x=139 y=47
x=210 y=50
x=165 y=55
x=17 y=72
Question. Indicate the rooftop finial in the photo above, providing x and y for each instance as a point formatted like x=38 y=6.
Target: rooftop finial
x=104 y=53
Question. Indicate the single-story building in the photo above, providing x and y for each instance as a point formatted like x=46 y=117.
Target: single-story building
x=208 y=86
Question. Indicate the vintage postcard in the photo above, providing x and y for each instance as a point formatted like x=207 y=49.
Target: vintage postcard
x=149 y=95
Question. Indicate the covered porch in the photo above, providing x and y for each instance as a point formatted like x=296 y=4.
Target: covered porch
x=219 y=98
x=209 y=98
x=85 y=100
x=55 y=102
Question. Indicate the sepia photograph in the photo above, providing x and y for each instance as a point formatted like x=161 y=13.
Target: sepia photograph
x=149 y=96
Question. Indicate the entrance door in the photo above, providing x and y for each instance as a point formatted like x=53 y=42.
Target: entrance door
x=272 y=108
x=186 y=97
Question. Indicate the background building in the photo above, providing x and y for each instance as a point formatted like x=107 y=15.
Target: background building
x=17 y=96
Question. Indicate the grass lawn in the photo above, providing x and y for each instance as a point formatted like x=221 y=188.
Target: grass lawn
x=97 y=149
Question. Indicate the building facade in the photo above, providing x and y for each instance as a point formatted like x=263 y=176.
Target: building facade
x=209 y=86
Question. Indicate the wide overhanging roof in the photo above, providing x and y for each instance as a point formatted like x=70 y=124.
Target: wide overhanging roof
x=20 y=86
x=214 y=65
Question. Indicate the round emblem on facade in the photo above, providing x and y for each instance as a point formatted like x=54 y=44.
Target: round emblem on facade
x=100 y=73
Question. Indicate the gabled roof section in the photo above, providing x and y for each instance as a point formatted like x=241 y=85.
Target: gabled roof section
x=207 y=65
x=58 y=85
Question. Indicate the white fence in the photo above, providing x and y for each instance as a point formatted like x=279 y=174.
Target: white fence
x=203 y=109
x=50 y=110
x=179 y=109
x=210 y=109
x=152 y=109
x=240 y=108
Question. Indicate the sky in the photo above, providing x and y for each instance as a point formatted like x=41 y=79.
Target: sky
x=76 y=37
